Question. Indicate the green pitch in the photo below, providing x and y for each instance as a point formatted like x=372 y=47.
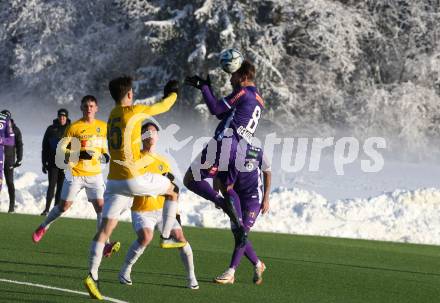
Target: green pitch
x=300 y=268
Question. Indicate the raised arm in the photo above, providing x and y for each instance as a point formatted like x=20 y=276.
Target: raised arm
x=160 y=107
x=216 y=107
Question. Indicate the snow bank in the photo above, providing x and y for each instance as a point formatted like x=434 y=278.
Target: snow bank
x=401 y=215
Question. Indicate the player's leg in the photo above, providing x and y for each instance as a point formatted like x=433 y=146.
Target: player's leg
x=169 y=211
x=71 y=188
x=95 y=257
x=196 y=176
x=143 y=224
x=251 y=210
x=95 y=188
x=202 y=188
x=98 y=204
x=113 y=207
x=186 y=254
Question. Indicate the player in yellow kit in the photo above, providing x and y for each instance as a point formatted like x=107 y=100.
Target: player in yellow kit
x=146 y=214
x=126 y=177
x=84 y=145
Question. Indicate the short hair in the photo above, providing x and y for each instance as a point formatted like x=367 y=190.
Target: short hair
x=89 y=98
x=119 y=87
x=149 y=123
x=7 y=113
x=247 y=69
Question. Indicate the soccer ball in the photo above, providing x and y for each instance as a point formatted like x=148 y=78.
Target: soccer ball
x=231 y=60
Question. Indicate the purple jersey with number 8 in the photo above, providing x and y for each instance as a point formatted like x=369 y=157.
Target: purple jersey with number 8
x=245 y=107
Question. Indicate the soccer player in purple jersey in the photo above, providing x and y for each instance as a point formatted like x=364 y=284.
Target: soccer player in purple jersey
x=7 y=137
x=251 y=181
x=239 y=112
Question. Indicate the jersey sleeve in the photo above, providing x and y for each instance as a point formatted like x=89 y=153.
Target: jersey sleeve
x=166 y=165
x=160 y=107
x=265 y=164
x=216 y=107
x=233 y=99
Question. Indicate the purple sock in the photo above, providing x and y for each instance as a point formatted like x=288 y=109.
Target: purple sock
x=205 y=190
x=250 y=253
x=236 y=256
x=237 y=205
x=247 y=250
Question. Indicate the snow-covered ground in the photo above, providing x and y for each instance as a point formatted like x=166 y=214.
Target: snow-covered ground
x=401 y=215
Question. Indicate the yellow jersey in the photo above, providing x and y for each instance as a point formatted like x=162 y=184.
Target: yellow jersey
x=82 y=136
x=158 y=165
x=124 y=136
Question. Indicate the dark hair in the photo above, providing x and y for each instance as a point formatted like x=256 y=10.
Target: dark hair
x=89 y=98
x=247 y=69
x=119 y=87
x=149 y=123
x=7 y=113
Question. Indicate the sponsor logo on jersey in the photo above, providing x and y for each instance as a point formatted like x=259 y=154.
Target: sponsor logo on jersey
x=245 y=134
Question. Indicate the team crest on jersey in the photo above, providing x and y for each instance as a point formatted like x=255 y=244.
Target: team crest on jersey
x=98 y=129
x=250 y=166
x=2 y=126
x=161 y=167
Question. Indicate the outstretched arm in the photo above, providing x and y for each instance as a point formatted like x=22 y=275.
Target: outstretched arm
x=216 y=107
x=160 y=107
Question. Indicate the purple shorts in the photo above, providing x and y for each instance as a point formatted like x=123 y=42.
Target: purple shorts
x=250 y=208
x=217 y=159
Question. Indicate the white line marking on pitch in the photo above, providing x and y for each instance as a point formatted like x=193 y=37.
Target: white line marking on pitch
x=59 y=289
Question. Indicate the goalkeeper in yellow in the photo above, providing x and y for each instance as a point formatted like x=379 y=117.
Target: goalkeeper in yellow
x=127 y=177
x=146 y=214
x=84 y=144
